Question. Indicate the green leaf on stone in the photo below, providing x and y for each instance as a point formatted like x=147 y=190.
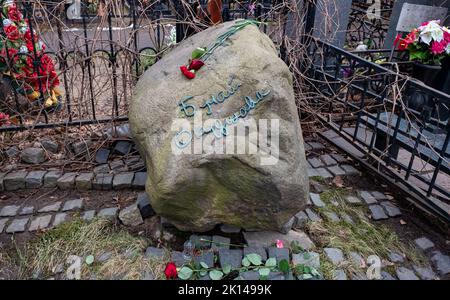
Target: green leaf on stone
x=197 y=53
x=305 y=277
x=89 y=259
x=185 y=273
x=264 y=271
x=203 y=273
x=204 y=265
x=306 y=255
x=314 y=272
x=283 y=265
x=226 y=269
x=255 y=259
x=245 y=262
x=215 y=274
x=271 y=262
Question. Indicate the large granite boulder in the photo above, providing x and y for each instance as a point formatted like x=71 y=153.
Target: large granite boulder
x=195 y=192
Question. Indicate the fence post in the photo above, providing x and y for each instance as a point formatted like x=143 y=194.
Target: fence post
x=310 y=19
x=180 y=14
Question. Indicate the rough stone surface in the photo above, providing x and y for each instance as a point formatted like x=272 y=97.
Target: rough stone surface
x=220 y=242
x=331 y=216
x=9 y=211
x=405 y=274
x=139 y=180
x=104 y=168
x=336 y=171
x=40 y=222
x=231 y=257
x=3 y=222
x=34 y=179
x=267 y=238
x=84 y=181
x=51 y=178
x=368 y=198
x=315 y=199
x=123 y=181
x=424 y=243
x=334 y=255
x=17 y=225
x=67 y=181
x=122 y=147
x=12 y=151
x=73 y=205
x=353 y=200
x=207 y=257
x=103 y=181
x=50 y=146
x=441 y=262
x=425 y=273
x=201 y=241
x=88 y=215
x=347 y=218
x=356 y=260
x=313 y=216
x=378 y=195
x=27 y=210
x=81 y=147
x=387 y=276
x=15 y=180
x=249 y=275
x=315 y=162
x=108 y=213
x=131 y=216
x=309 y=259
x=377 y=212
x=2 y=177
x=51 y=207
x=324 y=173
x=396 y=257
x=144 y=206
x=391 y=209
x=257 y=250
x=59 y=219
x=229 y=229
x=153 y=252
x=339 y=275
x=197 y=192
x=278 y=253
x=178 y=258
x=33 y=155
x=328 y=160
x=300 y=220
x=101 y=156
x=349 y=170
x=288 y=226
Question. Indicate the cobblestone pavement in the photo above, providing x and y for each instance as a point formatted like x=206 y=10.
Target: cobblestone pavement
x=325 y=165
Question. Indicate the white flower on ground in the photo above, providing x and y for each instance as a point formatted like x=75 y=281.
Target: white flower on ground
x=431 y=32
x=23 y=49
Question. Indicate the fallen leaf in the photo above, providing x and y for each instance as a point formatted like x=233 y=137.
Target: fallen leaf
x=338 y=181
x=403 y=222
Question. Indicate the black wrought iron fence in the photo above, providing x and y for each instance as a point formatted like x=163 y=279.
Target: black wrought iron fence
x=395 y=124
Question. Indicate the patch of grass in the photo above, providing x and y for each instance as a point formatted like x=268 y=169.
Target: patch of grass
x=319 y=179
x=54 y=247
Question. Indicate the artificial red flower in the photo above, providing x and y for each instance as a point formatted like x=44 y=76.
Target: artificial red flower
x=280 y=244
x=30 y=46
x=188 y=74
x=12 y=33
x=171 y=271
x=425 y=23
x=11 y=53
x=397 y=39
x=196 y=64
x=438 y=47
x=14 y=14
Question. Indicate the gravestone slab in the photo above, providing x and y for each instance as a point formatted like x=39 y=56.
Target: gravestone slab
x=34 y=179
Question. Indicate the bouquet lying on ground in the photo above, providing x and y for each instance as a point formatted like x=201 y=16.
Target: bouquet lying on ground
x=20 y=50
x=428 y=44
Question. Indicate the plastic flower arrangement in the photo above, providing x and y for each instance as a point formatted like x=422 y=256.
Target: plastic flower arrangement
x=20 y=49
x=428 y=44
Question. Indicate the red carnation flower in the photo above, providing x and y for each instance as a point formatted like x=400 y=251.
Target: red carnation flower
x=12 y=33
x=196 y=64
x=14 y=14
x=171 y=271
x=188 y=74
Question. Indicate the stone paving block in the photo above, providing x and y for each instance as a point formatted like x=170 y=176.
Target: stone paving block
x=313 y=216
x=405 y=274
x=144 y=205
x=377 y=212
x=328 y=160
x=315 y=199
x=315 y=162
x=324 y=173
x=336 y=171
x=316 y=145
x=313 y=172
x=307 y=147
x=178 y=258
x=349 y=170
x=60 y=218
x=3 y=222
x=229 y=229
x=220 y=242
x=27 y=210
x=104 y=168
x=207 y=257
x=441 y=262
x=201 y=241
x=395 y=257
x=387 y=276
x=17 y=225
x=140 y=178
x=88 y=215
x=347 y=218
x=368 y=198
x=34 y=179
x=9 y=211
x=424 y=244
x=84 y=181
x=334 y=255
x=122 y=147
x=153 y=252
x=117 y=164
x=51 y=207
x=101 y=156
x=67 y=181
x=356 y=260
x=339 y=275
x=425 y=273
x=353 y=200
x=103 y=181
x=40 y=222
x=73 y=205
x=232 y=257
x=249 y=275
x=391 y=209
x=131 y=215
x=108 y=213
x=2 y=177
x=257 y=250
x=309 y=259
x=267 y=238
x=287 y=226
x=379 y=195
x=15 y=180
x=338 y=157
x=300 y=220
x=123 y=181
x=278 y=253
x=331 y=216
x=51 y=178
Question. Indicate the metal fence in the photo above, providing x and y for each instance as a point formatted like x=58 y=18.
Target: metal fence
x=394 y=125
